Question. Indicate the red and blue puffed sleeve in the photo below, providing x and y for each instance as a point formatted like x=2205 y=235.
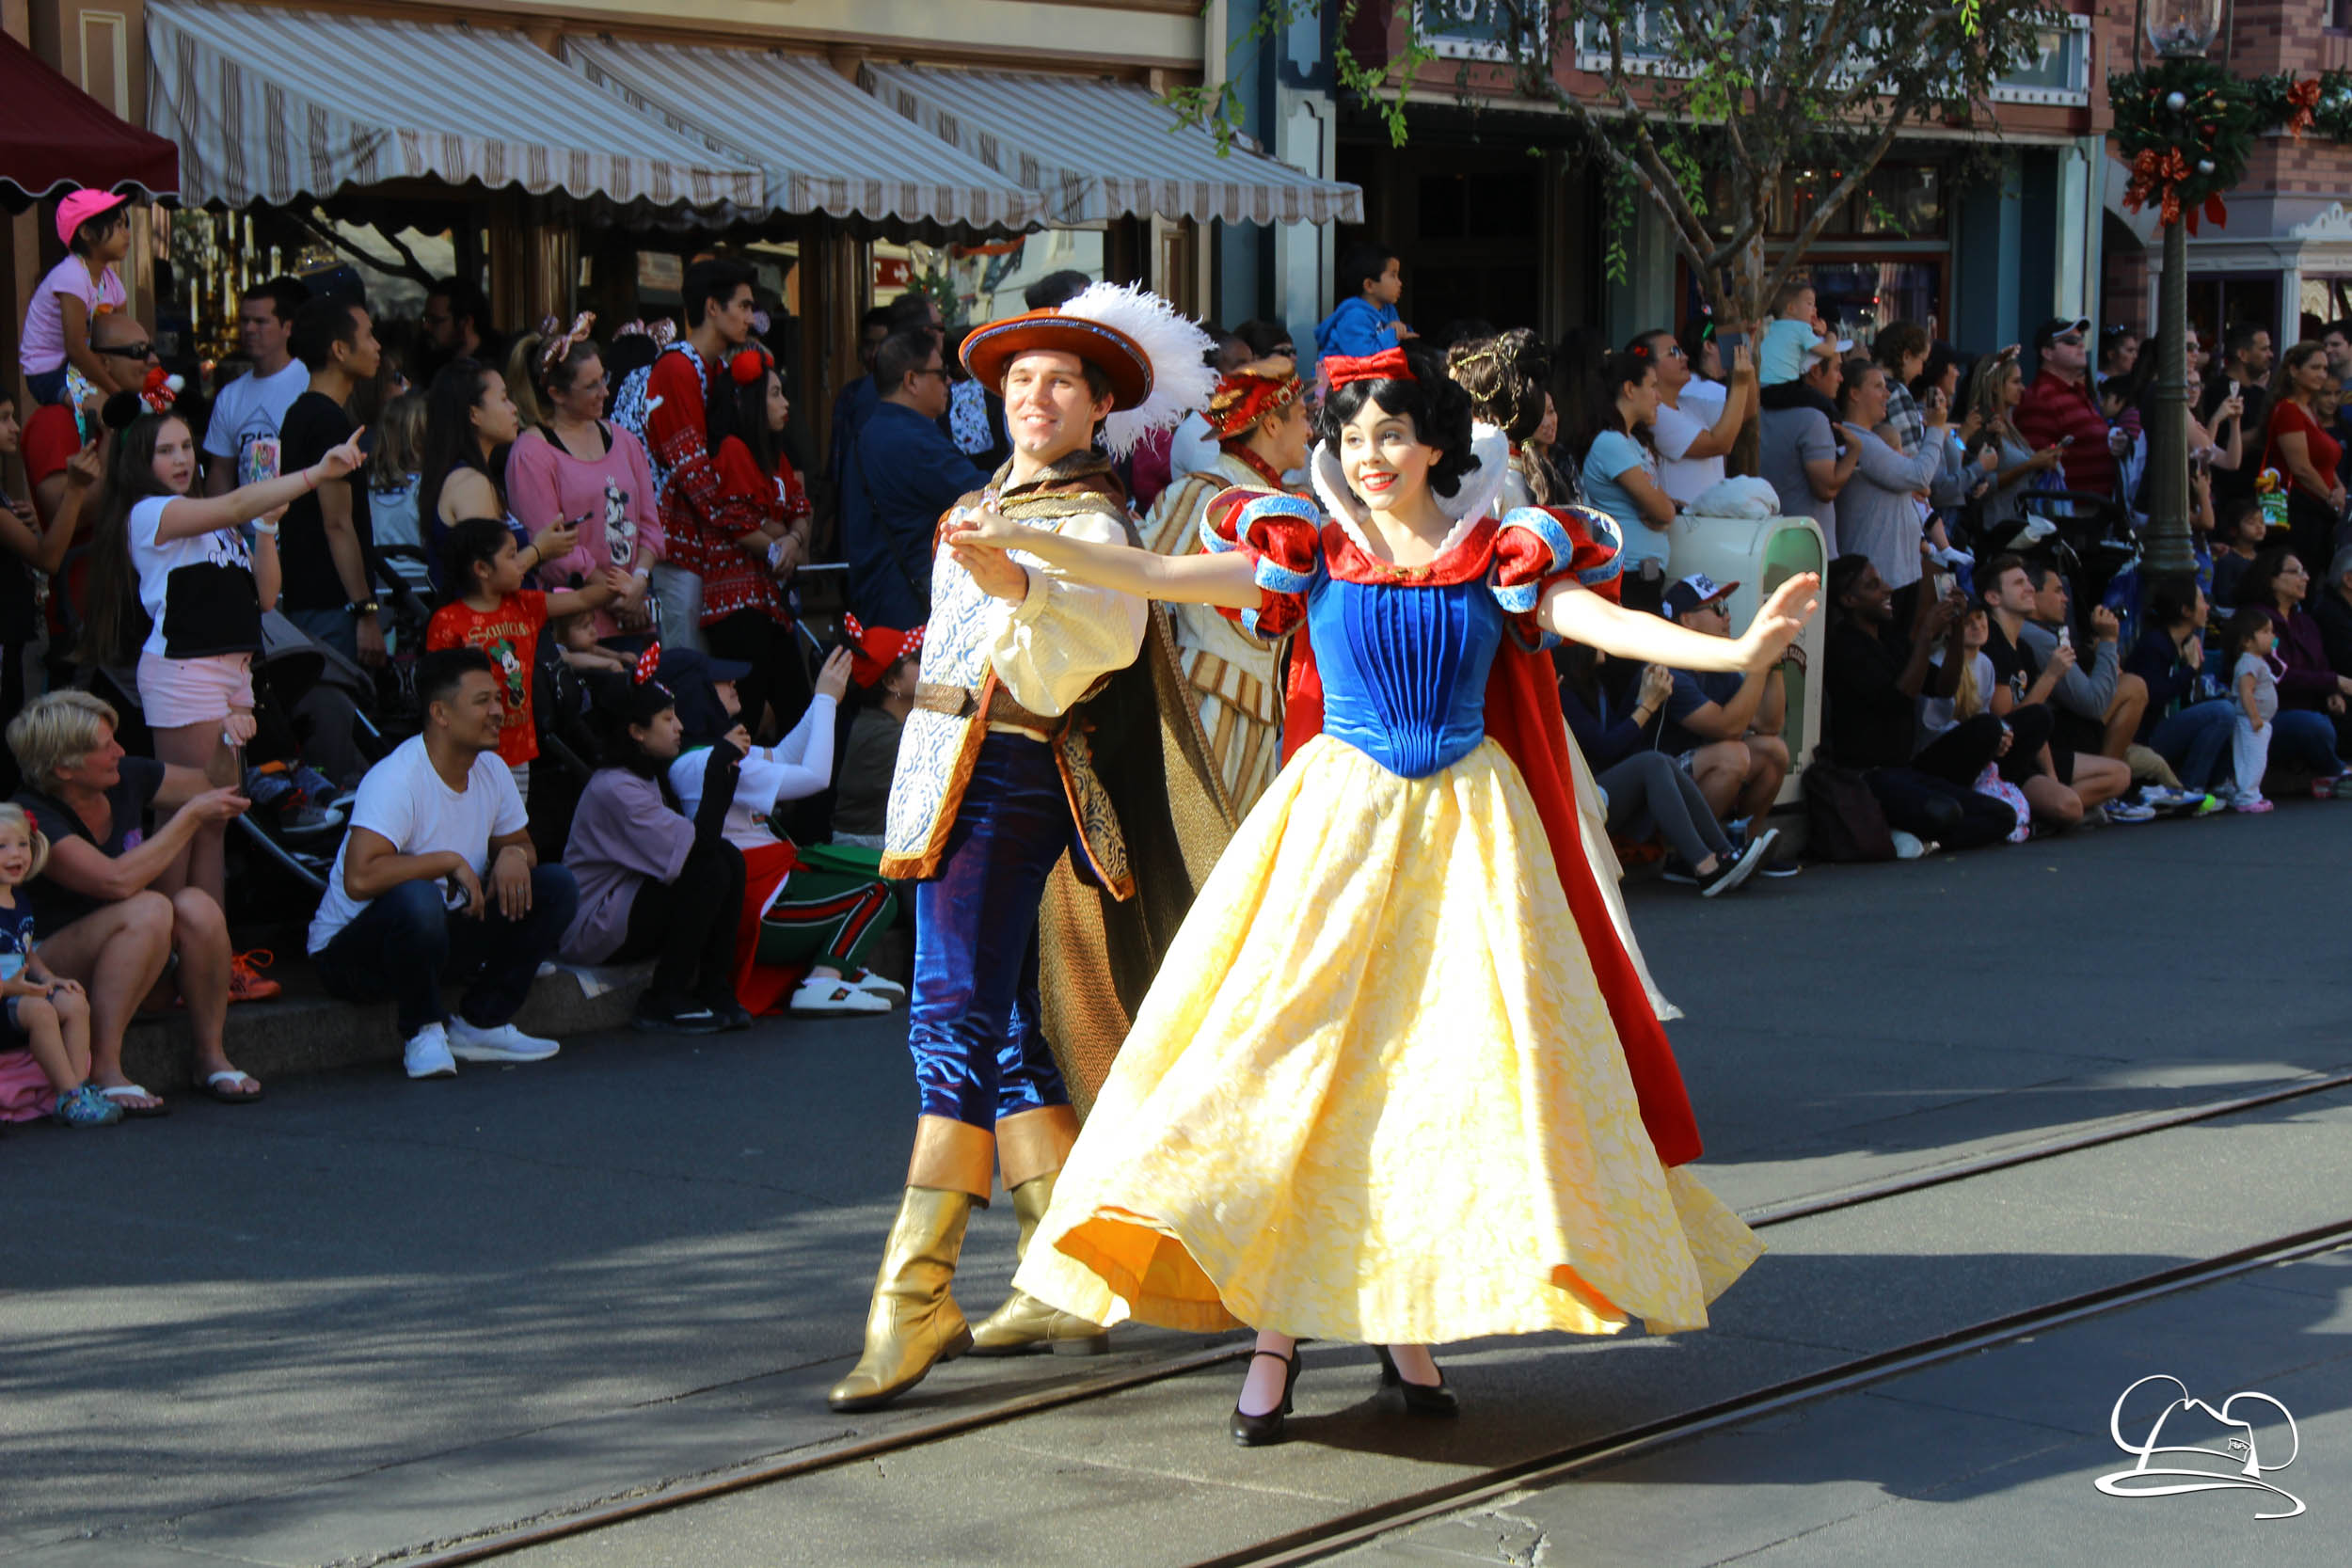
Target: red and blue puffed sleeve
x=1535 y=546
x=1282 y=538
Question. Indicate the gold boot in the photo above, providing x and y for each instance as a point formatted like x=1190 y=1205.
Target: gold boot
x=1024 y=1324
x=914 y=1322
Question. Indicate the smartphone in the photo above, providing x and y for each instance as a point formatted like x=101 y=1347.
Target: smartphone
x=2066 y=440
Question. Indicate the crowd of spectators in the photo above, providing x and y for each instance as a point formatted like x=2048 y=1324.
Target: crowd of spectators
x=550 y=651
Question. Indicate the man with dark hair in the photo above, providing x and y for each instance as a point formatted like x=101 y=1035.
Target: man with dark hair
x=2060 y=784
x=438 y=876
x=327 y=542
x=854 y=403
x=898 y=481
x=457 y=323
x=252 y=407
x=1056 y=290
x=2062 y=405
x=2245 y=359
x=717 y=298
x=1724 y=726
x=2096 y=709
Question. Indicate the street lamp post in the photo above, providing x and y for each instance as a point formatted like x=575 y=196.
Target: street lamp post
x=2177 y=29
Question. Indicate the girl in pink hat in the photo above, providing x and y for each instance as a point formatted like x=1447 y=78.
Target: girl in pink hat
x=96 y=229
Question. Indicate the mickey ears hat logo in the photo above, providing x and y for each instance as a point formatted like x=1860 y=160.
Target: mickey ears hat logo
x=2236 y=1464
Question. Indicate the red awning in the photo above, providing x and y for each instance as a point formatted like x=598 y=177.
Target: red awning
x=54 y=136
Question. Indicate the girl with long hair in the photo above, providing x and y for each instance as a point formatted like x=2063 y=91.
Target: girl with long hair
x=1621 y=460
x=1397 y=1081
x=763 y=520
x=469 y=418
x=2299 y=445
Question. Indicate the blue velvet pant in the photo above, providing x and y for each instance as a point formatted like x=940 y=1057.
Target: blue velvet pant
x=972 y=1022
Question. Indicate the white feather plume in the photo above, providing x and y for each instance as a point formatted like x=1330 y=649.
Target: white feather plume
x=1182 y=381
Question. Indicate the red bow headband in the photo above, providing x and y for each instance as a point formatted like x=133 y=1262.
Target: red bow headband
x=1386 y=365
x=160 y=389
x=554 y=346
x=648 y=664
x=877 y=648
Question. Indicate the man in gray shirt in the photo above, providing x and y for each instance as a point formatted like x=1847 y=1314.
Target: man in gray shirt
x=1801 y=452
x=2098 y=702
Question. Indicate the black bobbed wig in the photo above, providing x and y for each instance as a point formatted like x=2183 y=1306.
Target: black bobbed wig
x=1439 y=409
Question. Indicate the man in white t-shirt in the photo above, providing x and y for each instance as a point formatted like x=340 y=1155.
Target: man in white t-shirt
x=437 y=876
x=251 y=407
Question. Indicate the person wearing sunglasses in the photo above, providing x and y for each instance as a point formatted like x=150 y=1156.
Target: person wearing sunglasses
x=2061 y=407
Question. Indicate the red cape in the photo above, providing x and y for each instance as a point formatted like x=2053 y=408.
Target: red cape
x=1523 y=714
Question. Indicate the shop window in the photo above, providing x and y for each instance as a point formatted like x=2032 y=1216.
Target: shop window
x=1897 y=200
x=1861 y=296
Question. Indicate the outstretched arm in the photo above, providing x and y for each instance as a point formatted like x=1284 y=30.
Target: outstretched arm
x=1581 y=615
x=980 y=539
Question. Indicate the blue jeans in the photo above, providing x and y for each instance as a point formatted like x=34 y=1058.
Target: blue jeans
x=2196 y=740
x=2304 y=741
x=972 y=1023
x=405 y=943
x=338 y=628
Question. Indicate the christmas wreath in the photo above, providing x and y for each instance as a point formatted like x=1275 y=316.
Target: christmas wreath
x=2187 y=127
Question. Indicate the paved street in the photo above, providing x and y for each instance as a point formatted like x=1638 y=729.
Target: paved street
x=370 y=1315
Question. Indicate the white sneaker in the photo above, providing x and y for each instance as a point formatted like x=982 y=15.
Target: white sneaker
x=880 y=984
x=831 y=998
x=471 y=1042
x=426 y=1055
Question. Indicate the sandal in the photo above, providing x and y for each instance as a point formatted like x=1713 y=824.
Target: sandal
x=245 y=981
x=123 y=1094
x=86 y=1107
x=217 y=1084
x=881 y=985
x=831 y=998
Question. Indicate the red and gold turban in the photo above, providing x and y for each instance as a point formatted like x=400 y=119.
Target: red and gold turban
x=1247 y=395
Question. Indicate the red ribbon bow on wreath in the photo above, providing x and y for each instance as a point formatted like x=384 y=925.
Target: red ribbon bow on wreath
x=2303 y=96
x=2160 y=176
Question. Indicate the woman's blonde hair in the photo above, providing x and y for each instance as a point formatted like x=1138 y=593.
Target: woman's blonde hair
x=54 y=728
x=1967 y=702
x=12 y=815
x=399 y=442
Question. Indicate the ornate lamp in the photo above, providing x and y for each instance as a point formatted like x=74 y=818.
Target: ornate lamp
x=2181 y=29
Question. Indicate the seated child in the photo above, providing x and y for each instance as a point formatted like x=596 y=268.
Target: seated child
x=44 y=1020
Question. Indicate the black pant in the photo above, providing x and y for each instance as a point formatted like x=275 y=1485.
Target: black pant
x=1953 y=815
x=1961 y=753
x=779 y=676
x=687 y=927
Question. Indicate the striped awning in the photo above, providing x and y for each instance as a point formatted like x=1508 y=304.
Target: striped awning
x=825 y=146
x=1098 y=150
x=282 y=106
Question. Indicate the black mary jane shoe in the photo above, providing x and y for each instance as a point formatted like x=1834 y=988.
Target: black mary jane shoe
x=1256 y=1431
x=1420 y=1398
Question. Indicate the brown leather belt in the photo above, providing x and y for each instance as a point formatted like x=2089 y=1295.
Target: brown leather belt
x=961 y=702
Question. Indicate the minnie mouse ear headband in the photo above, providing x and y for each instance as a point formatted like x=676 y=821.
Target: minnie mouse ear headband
x=750 y=363
x=1151 y=355
x=157 y=393
x=554 y=344
x=1247 y=395
x=662 y=330
x=874 y=649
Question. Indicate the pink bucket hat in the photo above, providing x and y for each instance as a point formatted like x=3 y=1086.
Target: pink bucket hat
x=79 y=207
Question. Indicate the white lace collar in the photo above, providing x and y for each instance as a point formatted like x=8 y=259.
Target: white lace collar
x=1471 y=502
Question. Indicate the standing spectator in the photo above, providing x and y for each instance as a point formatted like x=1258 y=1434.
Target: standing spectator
x=490 y=610
x=2239 y=537
x=718 y=295
x=578 y=466
x=1995 y=390
x=35 y=550
x=1724 y=726
x=2190 y=733
x=2312 y=723
x=395 y=476
x=2061 y=402
x=2243 y=377
x=1691 y=444
x=438 y=869
x=763 y=538
x=1901 y=351
x=1802 y=452
x=253 y=407
x=1878 y=507
x=2332 y=610
x=174 y=587
x=457 y=324
x=2300 y=447
x=95 y=229
x=2118 y=351
x=655 y=883
x=2337 y=340
x=888 y=665
x=327 y=545
x=2097 y=710
x=467 y=417
x=1876 y=687
x=1706 y=392
x=2250 y=637
x=1620 y=471
x=114 y=904
x=902 y=478
x=1371 y=280
x=2060 y=784
x=854 y=403
x=976 y=415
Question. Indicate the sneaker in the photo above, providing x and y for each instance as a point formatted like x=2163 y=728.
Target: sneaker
x=1682 y=876
x=1730 y=871
x=2129 y=811
x=426 y=1055
x=1761 y=847
x=2207 y=804
x=247 y=982
x=2254 y=807
x=881 y=985
x=1909 y=847
x=471 y=1043
x=729 y=1012
x=675 y=1015
x=832 y=998
x=2341 y=786
x=85 y=1107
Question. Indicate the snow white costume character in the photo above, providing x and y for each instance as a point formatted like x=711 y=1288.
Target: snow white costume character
x=1398 y=1080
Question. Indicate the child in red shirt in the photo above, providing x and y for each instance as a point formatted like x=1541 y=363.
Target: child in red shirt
x=496 y=614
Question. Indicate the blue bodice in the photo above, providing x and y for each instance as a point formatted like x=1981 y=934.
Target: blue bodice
x=1405 y=668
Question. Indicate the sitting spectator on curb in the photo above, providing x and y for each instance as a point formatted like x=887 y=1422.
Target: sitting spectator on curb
x=2312 y=723
x=44 y=1021
x=2331 y=606
x=1874 y=686
x=888 y=665
x=1648 y=796
x=2061 y=783
x=2192 y=734
x=655 y=883
x=113 y=903
x=1725 y=727
x=2098 y=708
x=810 y=912
x=1949 y=750
x=437 y=870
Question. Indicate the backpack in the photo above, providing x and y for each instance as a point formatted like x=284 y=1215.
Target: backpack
x=631 y=409
x=1844 y=817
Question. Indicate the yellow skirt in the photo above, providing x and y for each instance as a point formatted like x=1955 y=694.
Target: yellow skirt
x=1374 y=1094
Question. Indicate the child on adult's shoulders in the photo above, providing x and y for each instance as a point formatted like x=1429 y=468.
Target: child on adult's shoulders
x=1371 y=280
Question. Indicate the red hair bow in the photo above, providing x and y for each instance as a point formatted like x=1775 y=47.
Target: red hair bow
x=648 y=663
x=1386 y=365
